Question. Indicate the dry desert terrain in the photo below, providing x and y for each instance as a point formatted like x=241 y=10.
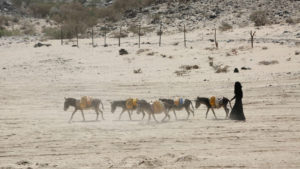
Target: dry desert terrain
x=34 y=128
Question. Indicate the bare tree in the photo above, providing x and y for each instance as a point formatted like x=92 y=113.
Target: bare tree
x=216 y=43
x=159 y=34
x=252 y=34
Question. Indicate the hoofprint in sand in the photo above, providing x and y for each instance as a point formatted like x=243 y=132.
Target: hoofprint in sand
x=34 y=81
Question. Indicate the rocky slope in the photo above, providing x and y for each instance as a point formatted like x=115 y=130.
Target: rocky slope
x=194 y=14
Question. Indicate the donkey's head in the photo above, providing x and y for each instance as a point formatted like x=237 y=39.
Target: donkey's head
x=66 y=104
x=69 y=102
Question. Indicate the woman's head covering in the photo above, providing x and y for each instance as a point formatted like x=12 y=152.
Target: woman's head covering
x=237 y=85
x=238 y=89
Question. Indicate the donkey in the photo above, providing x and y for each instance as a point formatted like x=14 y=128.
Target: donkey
x=122 y=104
x=95 y=104
x=187 y=105
x=144 y=106
x=222 y=103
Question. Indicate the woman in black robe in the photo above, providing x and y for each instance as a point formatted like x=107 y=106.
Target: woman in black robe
x=237 y=112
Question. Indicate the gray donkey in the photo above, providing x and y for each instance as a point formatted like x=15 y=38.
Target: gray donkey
x=95 y=103
x=187 y=105
x=144 y=106
x=122 y=104
x=222 y=103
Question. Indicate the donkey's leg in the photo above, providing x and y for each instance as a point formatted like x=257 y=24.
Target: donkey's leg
x=166 y=115
x=129 y=114
x=121 y=114
x=149 y=118
x=164 y=118
x=207 y=112
x=227 y=111
x=191 y=111
x=188 y=112
x=143 y=114
x=174 y=114
x=97 y=113
x=101 y=114
x=82 y=115
x=154 y=117
x=214 y=113
x=72 y=115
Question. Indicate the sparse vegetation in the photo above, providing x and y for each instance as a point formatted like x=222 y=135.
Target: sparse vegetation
x=181 y=72
x=272 y=62
x=135 y=29
x=142 y=51
x=75 y=18
x=115 y=11
x=4 y=21
x=28 y=28
x=291 y=20
x=41 y=9
x=116 y=34
x=137 y=71
x=225 y=27
x=5 y=32
x=189 y=67
x=52 y=33
x=218 y=68
x=221 y=69
x=259 y=18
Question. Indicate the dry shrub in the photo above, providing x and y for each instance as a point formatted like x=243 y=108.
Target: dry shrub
x=28 y=28
x=211 y=61
x=210 y=48
x=135 y=30
x=75 y=18
x=156 y=20
x=4 y=32
x=189 y=67
x=225 y=26
x=217 y=68
x=109 y=14
x=175 y=43
x=181 y=72
x=40 y=9
x=291 y=20
x=115 y=11
x=221 y=69
x=4 y=21
x=116 y=34
x=151 y=53
x=52 y=33
x=272 y=62
x=234 y=51
x=142 y=51
x=259 y=18
x=122 y=6
x=137 y=71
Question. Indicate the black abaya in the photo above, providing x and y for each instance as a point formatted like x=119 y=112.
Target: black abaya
x=237 y=112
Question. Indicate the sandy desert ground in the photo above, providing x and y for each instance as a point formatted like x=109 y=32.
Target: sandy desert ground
x=35 y=132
